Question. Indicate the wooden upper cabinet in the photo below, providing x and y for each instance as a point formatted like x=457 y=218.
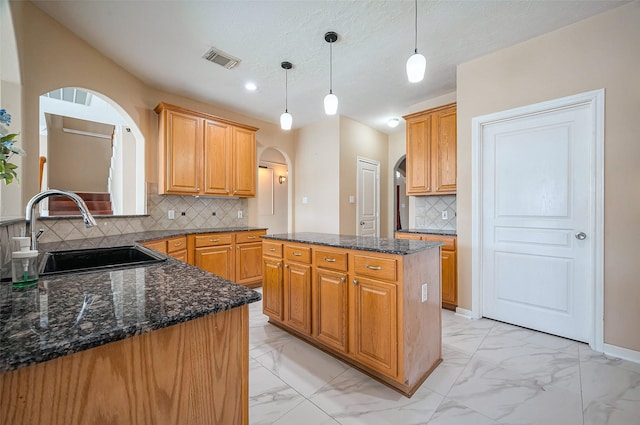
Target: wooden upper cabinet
x=244 y=162
x=432 y=151
x=202 y=154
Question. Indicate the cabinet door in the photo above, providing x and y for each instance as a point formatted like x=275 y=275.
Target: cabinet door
x=297 y=297
x=419 y=156
x=183 y=153
x=330 y=309
x=449 y=280
x=272 y=288
x=216 y=259
x=244 y=162
x=248 y=263
x=217 y=158
x=375 y=325
x=180 y=255
x=444 y=142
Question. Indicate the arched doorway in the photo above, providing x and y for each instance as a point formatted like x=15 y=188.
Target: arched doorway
x=401 y=200
x=273 y=191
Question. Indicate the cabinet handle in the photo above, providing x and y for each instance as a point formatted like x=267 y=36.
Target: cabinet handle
x=177 y=244
x=251 y=237
x=286 y=266
x=297 y=254
x=278 y=264
x=342 y=280
x=230 y=248
x=329 y=260
x=373 y=267
x=214 y=240
x=272 y=249
x=355 y=281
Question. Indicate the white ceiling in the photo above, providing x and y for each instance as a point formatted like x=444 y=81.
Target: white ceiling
x=162 y=42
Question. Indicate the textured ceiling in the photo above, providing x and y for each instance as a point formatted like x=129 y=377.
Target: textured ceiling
x=162 y=42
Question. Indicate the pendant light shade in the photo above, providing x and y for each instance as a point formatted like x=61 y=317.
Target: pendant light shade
x=416 y=64
x=330 y=100
x=286 y=120
x=330 y=104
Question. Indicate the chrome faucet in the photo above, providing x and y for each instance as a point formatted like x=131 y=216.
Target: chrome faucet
x=30 y=213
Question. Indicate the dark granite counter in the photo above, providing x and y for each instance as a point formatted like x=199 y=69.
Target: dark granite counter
x=429 y=232
x=363 y=243
x=68 y=313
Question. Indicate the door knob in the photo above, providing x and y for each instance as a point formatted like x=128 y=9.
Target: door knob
x=581 y=236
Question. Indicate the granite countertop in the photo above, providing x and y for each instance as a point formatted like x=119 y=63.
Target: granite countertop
x=68 y=313
x=429 y=231
x=363 y=243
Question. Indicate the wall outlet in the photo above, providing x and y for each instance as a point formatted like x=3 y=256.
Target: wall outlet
x=424 y=293
x=240 y=214
x=445 y=215
x=171 y=214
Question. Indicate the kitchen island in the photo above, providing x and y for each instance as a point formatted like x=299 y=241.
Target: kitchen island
x=162 y=344
x=372 y=302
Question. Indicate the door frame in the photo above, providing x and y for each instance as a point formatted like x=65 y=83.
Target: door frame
x=375 y=163
x=595 y=101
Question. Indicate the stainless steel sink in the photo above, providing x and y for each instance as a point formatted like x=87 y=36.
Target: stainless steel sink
x=81 y=260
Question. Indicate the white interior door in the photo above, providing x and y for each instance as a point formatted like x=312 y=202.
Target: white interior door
x=537 y=222
x=368 y=200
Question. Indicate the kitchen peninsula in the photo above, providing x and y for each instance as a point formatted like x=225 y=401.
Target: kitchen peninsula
x=372 y=302
x=162 y=344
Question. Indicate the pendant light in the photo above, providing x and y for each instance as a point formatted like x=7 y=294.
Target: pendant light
x=330 y=100
x=286 y=119
x=416 y=63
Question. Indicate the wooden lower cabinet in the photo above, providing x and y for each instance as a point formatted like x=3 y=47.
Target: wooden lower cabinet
x=248 y=263
x=362 y=307
x=330 y=308
x=215 y=259
x=449 y=260
x=297 y=296
x=195 y=372
x=375 y=324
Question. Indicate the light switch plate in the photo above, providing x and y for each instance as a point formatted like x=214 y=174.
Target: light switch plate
x=424 y=293
x=445 y=215
x=352 y=199
x=171 y=214
x=240 y=214
x=305 y=200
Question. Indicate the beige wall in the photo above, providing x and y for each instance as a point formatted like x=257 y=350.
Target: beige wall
x=359 y=140
x=278 y=221
x=600 y=52
x=317 y=177
x=43 y=70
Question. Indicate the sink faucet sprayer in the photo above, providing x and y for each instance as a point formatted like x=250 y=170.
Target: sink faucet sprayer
x=30 y=213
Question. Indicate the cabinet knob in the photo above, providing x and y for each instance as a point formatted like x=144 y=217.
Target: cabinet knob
x=230 y=248
x=286 y=266
x=355 y=281
x=342 y=280
x=277 y=264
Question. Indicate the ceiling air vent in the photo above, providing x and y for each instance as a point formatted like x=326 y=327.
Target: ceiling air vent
x=221 y=58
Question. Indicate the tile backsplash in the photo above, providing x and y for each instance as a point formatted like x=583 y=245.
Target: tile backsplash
x=198 y=213
x=428 y=212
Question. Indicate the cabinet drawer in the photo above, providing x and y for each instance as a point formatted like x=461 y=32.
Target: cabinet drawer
x=179 y=243
x=213 y=239
x=243 y=237
x=300 y=254
x=272 y=249
x=160 y=246
x=381 y=268
x=331 y=259
x=448 y=241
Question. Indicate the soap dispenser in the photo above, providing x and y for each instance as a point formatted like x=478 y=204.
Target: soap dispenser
x=24 y=263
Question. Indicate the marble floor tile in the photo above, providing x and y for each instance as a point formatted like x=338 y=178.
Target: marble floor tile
x=355 y=399
x=587 y=354
x=306 y=413
x=303 y=367
x=269 y=397
x=510 y=398
x=445 y=375
x=266 y=338
x=452 y=413
x=537 y=338
x=611 y=394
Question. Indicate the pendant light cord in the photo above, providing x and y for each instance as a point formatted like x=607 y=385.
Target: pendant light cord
x=331 y=67
x=286 y=90
x=416 y=28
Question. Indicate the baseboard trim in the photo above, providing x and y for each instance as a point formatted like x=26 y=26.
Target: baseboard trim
x=467 y=314
x=622 y=353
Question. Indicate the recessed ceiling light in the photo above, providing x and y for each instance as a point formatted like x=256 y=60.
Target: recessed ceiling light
x=393 y=122
x=250 y=86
